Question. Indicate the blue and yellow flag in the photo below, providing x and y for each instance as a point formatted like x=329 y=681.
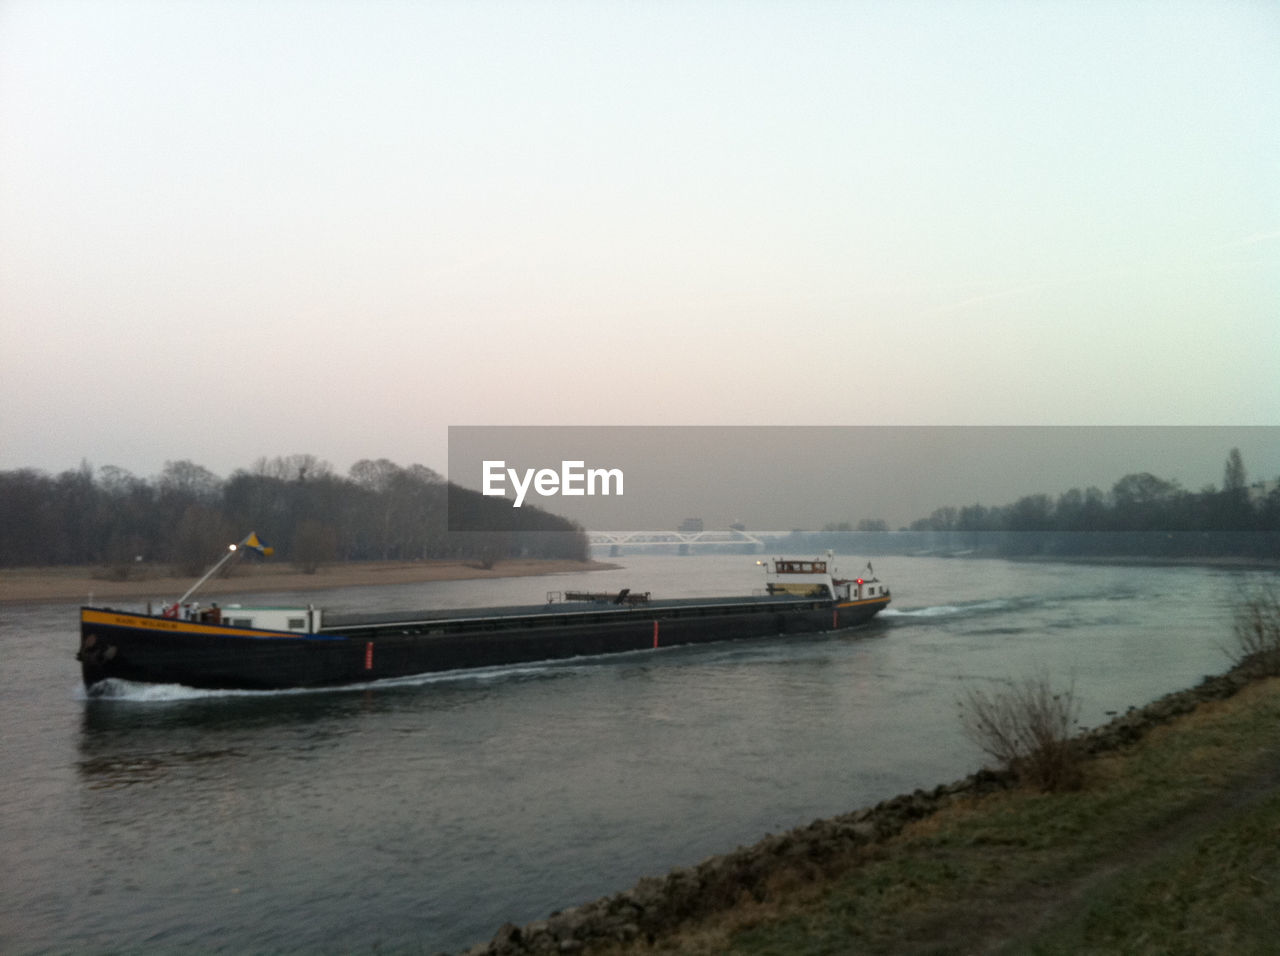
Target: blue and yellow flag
x=254 y=542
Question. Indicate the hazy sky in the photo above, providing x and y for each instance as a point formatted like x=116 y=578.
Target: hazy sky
x=236 y=229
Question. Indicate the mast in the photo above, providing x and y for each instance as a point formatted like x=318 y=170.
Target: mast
x=249 y=541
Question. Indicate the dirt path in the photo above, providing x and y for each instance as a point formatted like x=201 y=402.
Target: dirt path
x=1015 y=922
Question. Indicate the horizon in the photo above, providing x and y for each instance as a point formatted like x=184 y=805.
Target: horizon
x=898 y=480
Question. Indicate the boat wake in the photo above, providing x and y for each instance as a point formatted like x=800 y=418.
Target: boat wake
x=115 y=689
x=945 y=610
x=133 y=692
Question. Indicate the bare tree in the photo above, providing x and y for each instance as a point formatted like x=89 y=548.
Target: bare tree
x=1027 y=726
x=1233 y=473
x=190 y=482
x=293 y=467
x=1257 y=629
x=314 y=544
x=200 y=539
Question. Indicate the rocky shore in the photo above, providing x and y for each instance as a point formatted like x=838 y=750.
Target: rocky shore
x=658 y=905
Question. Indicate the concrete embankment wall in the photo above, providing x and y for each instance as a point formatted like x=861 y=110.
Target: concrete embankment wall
x=657 y=905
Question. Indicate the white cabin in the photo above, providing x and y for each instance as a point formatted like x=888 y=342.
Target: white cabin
x=814 y=578
x=301 y=620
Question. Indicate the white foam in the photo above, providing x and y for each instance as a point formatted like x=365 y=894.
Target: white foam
x=944 y=610
x=115 y=689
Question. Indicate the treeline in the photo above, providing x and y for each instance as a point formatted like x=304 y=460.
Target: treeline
x=309 y=514
x=1138 y=508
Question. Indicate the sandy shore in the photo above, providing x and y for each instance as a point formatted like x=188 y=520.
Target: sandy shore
x=36 y=585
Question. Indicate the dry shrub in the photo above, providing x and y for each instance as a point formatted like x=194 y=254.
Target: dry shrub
x=1027 y=726
x=1257 y=629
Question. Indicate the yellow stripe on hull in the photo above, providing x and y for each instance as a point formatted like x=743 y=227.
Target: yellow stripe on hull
x=173 y=625
x=864 y=602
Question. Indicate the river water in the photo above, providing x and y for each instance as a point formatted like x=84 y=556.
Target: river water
x=422 y=815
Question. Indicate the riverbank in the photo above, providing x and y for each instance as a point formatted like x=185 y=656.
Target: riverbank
x=1171 y=845
x=1219 y=562
x=50 y=585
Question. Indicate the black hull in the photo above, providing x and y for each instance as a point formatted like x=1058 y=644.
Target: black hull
x=160 y=651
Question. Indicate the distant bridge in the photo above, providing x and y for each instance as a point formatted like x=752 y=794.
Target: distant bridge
x=682 y=540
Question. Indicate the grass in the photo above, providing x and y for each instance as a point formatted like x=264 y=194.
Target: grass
x=1172 y=846
x=1216 y=895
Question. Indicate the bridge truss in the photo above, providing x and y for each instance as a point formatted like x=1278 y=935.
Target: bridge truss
x=686 y=540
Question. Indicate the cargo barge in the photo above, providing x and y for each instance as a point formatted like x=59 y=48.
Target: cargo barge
x=272 y=648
